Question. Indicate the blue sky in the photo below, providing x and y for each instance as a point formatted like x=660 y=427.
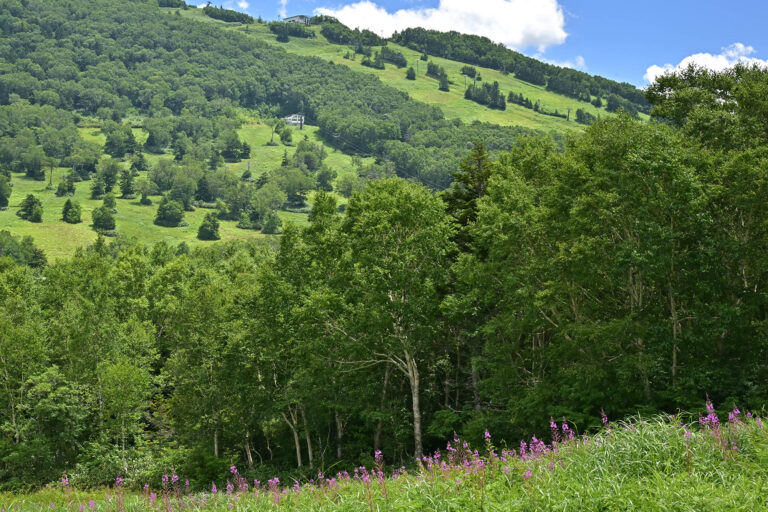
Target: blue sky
x=618 y=39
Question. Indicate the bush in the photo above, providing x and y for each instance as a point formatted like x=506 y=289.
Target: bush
x=71 y=213
x=209 y=229
x=272 y=223
x=102 y=219
x=31 y=209
x=169 y=213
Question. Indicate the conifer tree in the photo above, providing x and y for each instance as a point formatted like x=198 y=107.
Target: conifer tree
x=410 y=74
x=126 y=184
x=469 y=184
x=209 y=229
x=71 y=213
x=5 y=190
x=31 y=209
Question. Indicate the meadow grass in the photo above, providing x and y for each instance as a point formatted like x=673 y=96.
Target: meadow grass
x=655 y=464
x=425 y=89
x=452 y=103
x=59 y=239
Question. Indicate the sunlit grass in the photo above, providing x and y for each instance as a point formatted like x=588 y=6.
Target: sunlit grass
x=656 y=464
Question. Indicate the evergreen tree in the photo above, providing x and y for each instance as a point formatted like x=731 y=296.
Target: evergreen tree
x=98 y=187
x=169 y=213
x=469 y=184
x=410 y=74
x=31 y=209
x=5 y=190
x=126 y=184
x=102 y=219
x=209 y=229
x=204 y=192
x=71 y=213
x=109 y=202
x=444 y=84
x=272 y=223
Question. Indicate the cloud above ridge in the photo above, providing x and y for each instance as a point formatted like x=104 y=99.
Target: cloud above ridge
x=728 y=57
x=517 y=24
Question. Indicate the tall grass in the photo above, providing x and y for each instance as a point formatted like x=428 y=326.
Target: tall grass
x=661 y=463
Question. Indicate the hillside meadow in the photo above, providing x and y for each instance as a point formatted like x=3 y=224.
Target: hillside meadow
x=59 y=239
x=425 y=89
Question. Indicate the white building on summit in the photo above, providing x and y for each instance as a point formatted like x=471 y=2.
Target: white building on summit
x=295 y=120
x=304 y=20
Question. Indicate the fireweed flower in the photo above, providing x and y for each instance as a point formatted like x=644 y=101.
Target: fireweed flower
x=487 y=434
x=165 y=479
x=233 y=469
x=230 y=487
x=527 y=475
x=118 y=481
x=64 y=480
x=213 y=489
x=174 y=479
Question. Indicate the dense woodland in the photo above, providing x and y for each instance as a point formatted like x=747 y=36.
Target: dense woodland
x=497 y=286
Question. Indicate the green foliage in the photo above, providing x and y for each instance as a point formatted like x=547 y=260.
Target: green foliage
x=6 y=188
x=31 y=209
x=21 y=250
x=209 y=229
x=110 y=202
x=410 y=74
x=482 y=51
x=71 y=213
x=228 y=15
x=102 y=219
x=169 y=213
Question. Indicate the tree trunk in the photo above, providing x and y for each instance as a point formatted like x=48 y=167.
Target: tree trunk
x=475 y=385
x=248 y=455
x=413 y=378
x=216 y=442
x=380 y=424
x=676 y=328
x=296 y=442
x=339 y=434
x=306 y=436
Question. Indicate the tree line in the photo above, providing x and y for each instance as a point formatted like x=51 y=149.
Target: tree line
x=482 y=51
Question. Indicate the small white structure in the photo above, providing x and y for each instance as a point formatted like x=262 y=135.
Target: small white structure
x=304 y=20
x=295 y=120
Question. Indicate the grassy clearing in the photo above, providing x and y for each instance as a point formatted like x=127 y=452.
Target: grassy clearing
x=658 y=464
x=425 y=89
x=59 y=239
x=452 y=103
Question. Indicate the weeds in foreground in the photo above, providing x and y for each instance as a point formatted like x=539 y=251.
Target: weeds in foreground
x=635 y=464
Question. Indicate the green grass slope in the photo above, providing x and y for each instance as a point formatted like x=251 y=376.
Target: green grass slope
x=425 y=89
x=59 y=239
x=658 y=464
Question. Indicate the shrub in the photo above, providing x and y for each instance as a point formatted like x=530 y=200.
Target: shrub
x=102 y=219
x=169 y=213
x=209 y=229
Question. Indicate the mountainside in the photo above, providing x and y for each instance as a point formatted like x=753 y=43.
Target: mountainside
x=91 y=90
x=556 y=92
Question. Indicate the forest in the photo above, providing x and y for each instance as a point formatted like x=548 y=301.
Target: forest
x=625 y=273
x=478 y=279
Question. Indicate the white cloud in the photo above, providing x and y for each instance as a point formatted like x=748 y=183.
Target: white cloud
x=243 y=4
x=283 y=8
x=577 y=63
x=728 y=57
x=517 y=24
